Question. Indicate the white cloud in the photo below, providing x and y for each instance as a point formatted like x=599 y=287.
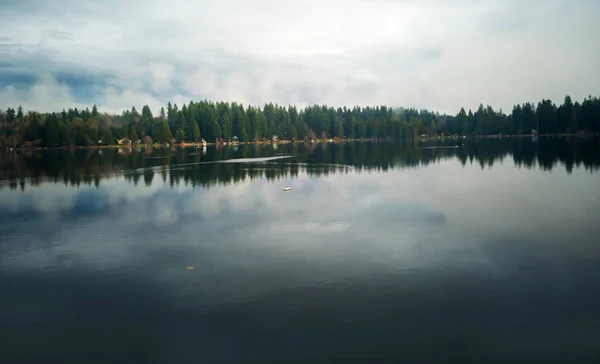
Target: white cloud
x=435 y=54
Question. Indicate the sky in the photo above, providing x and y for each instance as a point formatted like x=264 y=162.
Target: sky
x=435 y=54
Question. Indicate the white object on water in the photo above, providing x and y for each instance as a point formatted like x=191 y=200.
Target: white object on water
x=287 y=189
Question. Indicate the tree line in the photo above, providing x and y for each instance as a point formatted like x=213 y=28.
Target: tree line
x=213 y=121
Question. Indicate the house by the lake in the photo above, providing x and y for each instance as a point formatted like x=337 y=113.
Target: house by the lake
x=124 y=141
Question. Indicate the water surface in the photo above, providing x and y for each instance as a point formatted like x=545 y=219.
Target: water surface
x=469 y=251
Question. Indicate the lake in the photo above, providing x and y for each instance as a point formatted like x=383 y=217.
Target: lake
x=465 y=251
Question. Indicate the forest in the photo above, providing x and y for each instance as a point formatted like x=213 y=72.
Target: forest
x=212 y=121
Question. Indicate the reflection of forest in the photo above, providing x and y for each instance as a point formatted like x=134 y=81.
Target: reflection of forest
x=193 y=166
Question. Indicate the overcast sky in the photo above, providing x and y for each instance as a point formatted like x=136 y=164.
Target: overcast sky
x=434 y=54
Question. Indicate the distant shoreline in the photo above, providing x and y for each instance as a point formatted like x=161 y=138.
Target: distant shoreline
x=308 y=141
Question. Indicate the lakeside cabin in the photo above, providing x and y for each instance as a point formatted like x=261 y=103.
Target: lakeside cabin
x=124 y=141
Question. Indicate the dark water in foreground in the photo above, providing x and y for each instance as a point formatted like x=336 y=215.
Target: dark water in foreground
x=380 y=253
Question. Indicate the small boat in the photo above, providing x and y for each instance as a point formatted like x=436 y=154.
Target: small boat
x=287 y=189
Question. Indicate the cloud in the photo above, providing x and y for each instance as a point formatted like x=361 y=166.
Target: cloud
x=433 y=54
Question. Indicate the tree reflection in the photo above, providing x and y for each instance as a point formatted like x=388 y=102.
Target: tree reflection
x=197 y=167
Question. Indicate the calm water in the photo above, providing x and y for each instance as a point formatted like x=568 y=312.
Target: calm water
x=482 y=251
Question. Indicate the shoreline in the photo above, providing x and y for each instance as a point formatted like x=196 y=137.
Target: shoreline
x=423 y=138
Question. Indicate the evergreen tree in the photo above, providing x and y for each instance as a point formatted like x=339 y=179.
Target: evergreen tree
x=252 y=123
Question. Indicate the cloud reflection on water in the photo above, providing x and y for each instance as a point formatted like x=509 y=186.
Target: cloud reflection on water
x=412 y=253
